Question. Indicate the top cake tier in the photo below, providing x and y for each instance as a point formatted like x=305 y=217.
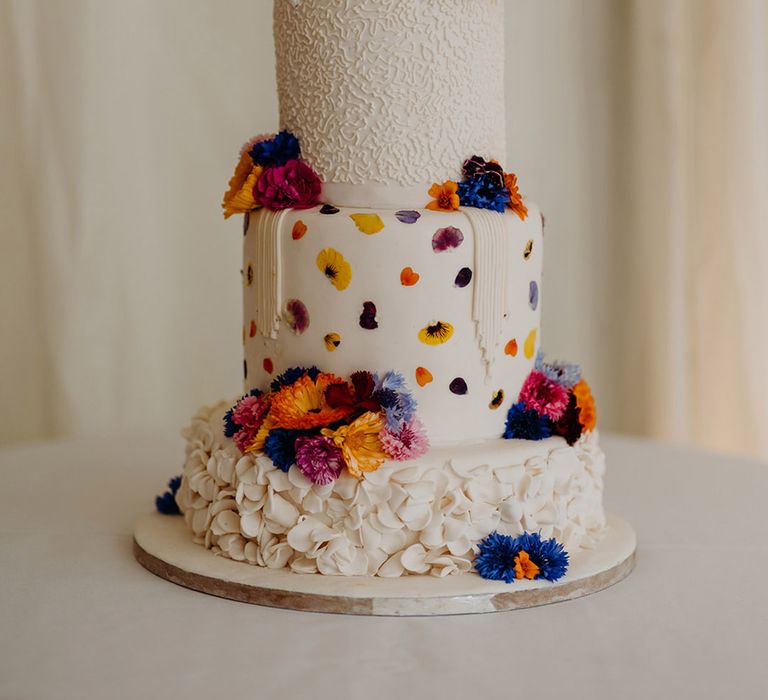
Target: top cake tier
x=388 y=96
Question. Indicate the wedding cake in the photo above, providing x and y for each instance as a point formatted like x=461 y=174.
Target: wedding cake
x=398 y=416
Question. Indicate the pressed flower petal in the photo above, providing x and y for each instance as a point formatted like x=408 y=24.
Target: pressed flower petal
x=497 y=399
x=328 y=209
x=332 y=341
x=334 y=266
x=407 y=216
x=296 y=315
x=368 y=223
x=446 y=239
x=529 y=347
x=463 y=277
x=511 y=348
x=458 y=386
x=436 y=333
x=423 y=376
x=408 y=277
x=368 y=316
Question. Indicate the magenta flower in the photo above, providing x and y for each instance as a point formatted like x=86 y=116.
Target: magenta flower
x=408 y=442
x=291 y=186
x=318 y=459
x=297 y=315
x=544 y=396
x=447 y=238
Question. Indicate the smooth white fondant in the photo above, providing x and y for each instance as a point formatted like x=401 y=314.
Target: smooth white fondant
x=167 y=540
x=417 y=517
x=495 y=305
x=391 y=92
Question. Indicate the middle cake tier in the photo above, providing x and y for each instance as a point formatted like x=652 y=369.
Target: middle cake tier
x=450 y=300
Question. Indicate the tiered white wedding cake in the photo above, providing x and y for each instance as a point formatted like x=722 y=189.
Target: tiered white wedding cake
x=397 y=409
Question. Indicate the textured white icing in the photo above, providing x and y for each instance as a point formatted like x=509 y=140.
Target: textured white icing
x=494 y=303
x=419 y=517
x=391 y=91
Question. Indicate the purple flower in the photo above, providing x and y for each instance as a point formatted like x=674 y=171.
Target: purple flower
x=407 y=216
x=533 y=294
x=318 y=459
x=463 y=278
x=447 y=238
x=292 y=185
x=296 y=315
x=526 y=424
x=368 y=317
x=476 y=166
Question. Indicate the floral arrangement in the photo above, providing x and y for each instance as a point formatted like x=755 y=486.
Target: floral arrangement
x=505 y=558
x=323 y=424
x=484 y=185
x=554 y=400
x=271 y=174
x=166 y=503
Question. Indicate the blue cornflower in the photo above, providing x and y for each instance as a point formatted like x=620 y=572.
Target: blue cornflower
x=280 y=446
x=166 y=503
x=276 y=151
x=566 y=374
x=291 y=375
x=496 y=555
x=483 y=192
x=526 y=424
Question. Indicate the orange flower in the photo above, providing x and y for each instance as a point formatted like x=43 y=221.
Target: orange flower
x=239 y=198
x=302 y=405
x=445 y=196
x=524 y=567
x=586 y=405
x=515 y=198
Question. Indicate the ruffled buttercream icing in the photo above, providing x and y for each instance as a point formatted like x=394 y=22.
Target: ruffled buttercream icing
x=418 y=517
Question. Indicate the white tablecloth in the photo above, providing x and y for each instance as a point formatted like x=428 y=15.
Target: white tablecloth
x=79 y=618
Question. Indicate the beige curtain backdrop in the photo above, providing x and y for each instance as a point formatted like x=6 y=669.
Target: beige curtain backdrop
x=639 y=126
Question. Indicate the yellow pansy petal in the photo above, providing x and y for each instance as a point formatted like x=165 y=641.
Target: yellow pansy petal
x=368 y=223
x=332 y=341
x=333 y=265
x=436 y=333
x=529 y=347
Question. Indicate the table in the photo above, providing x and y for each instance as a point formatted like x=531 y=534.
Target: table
x=79 y=618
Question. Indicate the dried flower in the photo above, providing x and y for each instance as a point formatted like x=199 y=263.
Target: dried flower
x=292 y=185
x=541 y=394
x=515 y=202
x=318 y=459
x=444 y=197
x=359 y=443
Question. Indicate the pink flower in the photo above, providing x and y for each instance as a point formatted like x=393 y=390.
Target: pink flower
x=249 y=414
x=250 y=410
x=544 y=396
x=318 y=459
x=408 y=442
x=293 y=185
x=297 y=315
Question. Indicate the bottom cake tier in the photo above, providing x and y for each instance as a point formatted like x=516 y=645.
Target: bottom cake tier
x=424 y=516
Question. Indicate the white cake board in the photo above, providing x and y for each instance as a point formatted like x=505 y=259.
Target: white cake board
x=163 y=545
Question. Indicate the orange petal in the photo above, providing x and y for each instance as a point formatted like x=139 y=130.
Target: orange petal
x=252 y=329
x=299 y=229
x=408 y=277
x=423 y=376
x=269 y=367
x=511 y=348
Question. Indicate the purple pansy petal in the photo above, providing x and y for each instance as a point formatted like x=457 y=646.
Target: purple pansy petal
x=407 y=216
x=296 y=315
x=533 y=294
x=447 y=238
x=458 y=386
x=368 y=317
x=328 y=209
x=463 y=278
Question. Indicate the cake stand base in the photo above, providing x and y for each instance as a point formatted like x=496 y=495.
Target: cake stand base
x=163 y=545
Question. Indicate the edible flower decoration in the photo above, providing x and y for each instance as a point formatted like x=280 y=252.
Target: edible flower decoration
x=322 y=423
x=484 y=185
x=505 y=558
x=166 y=503
x=270 y=173
x=554 y=400
x=444 y=197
